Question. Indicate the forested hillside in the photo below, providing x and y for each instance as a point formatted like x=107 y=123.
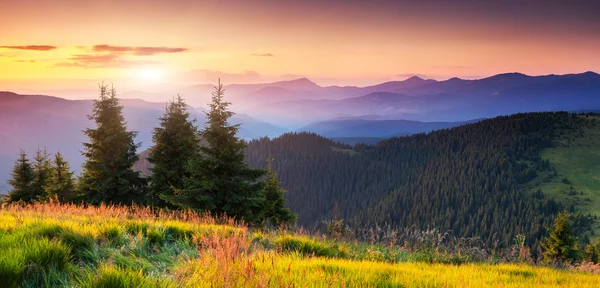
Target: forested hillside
x=469 y=180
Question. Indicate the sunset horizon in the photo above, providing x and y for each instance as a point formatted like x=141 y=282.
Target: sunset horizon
x=356 y=43
x=299 y=143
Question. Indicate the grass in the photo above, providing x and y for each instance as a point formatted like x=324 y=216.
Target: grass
x=53 y=245
x=577 y=162
x=350 y=152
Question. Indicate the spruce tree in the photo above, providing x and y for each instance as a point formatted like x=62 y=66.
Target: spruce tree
x=274 y=209
x=41 y=169
x=561 y=245
x=21 y=179
x=592 y=251
x=60 y=184
x=175 y=142
x=219 y=180
x=107 y=175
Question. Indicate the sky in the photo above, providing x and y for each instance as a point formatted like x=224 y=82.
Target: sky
x=68 y=43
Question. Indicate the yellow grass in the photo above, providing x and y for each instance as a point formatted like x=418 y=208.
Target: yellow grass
x=132 y=248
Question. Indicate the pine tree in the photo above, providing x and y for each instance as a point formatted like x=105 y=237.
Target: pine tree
x=219 y=180
x=60 y=184
x=274 y=209
x=592 y=251
x=175 y=142
x=21 y=179
x=41 y=169
x=561 y=244
x=107 y=175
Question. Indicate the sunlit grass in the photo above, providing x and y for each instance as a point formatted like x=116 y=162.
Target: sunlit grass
x=577 y=162
x=56 y=245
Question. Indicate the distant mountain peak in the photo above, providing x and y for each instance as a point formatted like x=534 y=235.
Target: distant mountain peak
x=299 y=84
x=590 y=73
x=302 y=80
x=414 y=79
x=511 y=75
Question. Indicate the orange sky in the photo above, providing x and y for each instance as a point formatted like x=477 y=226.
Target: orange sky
x=342 y=42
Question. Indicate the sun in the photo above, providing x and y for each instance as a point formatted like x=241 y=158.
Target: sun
x=151 y=74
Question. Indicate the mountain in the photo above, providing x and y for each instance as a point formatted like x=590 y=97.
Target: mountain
x=441 y=101
x=473 y=180
x=251 y=95
x=37 y=121
x=375 y=128
x=32 y=121
x=299 y=102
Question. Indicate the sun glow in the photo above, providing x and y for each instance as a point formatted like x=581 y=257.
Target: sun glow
x=151 y=74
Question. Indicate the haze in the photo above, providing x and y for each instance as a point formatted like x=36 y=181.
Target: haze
x=48 y=45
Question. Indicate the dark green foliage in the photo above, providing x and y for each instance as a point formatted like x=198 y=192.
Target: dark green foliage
x=60 y=184
x=592 y=252
x=112 y=277
x=156 y=236
x=275 y=212
x=306 y=246
x=219 y=180
x=31 y=261
x=12 y=267
x=175 y=142
x=21 y=181
x=561 y=244
x=110 y=154
x=42 y=169
x=468 y=180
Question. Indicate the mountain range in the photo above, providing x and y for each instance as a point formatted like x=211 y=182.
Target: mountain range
x=296 y=103
x=388 y=109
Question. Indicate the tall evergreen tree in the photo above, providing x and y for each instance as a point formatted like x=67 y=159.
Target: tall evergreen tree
x=41 y=169
x=21 y=179
x=110 y=154
x=60 y=185
x=561 y=244
x=219 y=180
x=274 y=209
x=175 y=142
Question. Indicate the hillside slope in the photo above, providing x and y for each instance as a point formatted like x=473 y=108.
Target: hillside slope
x=470 y=180
x=375 y=128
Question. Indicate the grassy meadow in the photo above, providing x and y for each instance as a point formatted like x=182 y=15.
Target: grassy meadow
x=576 y=160
x=54 y=245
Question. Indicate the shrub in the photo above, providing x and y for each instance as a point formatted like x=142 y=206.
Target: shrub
x=12 y=266
x=135 y=227
x=306 y=246
x=156 y=236
x=46 y=253
x=561 y=245
x=173 y=233
x=112 y=277
x=592 y=252
x=113 y=234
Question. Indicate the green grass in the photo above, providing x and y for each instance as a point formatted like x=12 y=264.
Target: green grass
x=56 y=245
x=350 y=152
x=577 y=160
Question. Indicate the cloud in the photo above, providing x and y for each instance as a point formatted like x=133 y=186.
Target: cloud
x=25 y=61
x=112 y=60
x=292 y=76
x=138 y=51
x=31 y=47
x=263 y=55
x=210 y=76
